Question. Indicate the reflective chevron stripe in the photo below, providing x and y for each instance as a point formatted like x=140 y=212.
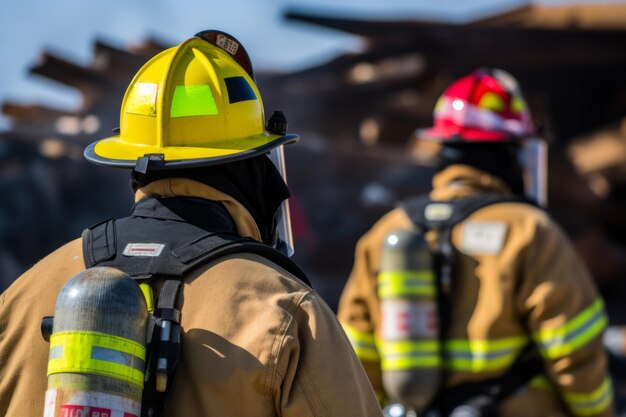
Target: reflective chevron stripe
x=364 y=343
x=574 y=334
x=587 y=404
x=483 y=355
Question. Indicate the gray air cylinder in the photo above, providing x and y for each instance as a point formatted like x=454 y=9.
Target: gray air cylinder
x=409 y=346
x=97 y=347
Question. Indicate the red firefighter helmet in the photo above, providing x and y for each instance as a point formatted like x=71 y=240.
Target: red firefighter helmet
x=485 y=106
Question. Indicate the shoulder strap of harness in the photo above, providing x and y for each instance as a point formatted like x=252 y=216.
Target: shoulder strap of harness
x=428 y=214
x=442 y=216
x=100 y=247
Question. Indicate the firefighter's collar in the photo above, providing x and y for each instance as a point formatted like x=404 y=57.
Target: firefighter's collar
x=463 y=180
x=182 y=187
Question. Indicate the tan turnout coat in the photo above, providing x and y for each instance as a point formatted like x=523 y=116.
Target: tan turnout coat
x=534 y=280
x=257 y=342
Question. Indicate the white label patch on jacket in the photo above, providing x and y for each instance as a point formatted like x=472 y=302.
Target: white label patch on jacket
x=482 y=238
x=143 y=249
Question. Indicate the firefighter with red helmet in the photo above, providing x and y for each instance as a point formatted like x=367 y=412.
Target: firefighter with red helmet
x=471 y=300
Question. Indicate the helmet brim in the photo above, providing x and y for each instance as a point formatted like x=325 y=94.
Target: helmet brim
x=115 y=152
x=437 y=134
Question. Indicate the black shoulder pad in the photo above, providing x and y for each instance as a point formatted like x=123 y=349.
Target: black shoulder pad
x=428 y=214
x=99 y=243
x=246 y=245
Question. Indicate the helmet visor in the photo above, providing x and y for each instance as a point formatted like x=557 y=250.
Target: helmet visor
x=283 y=240
x=535 y=162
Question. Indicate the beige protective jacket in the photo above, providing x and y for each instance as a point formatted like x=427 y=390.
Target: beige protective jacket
x=256 y=341
x=526 y=277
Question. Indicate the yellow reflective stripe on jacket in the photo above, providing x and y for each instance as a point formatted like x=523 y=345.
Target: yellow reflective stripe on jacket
x=407 y=354
x=461 y=354
x=364 y=343
x=403 y=283
x=586 y=404
x=97 y=353
x=571 y=336
x=541 y=382
x=483 y=355
x=146 y=289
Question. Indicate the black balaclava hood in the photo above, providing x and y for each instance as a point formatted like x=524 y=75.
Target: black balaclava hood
x=254 y=182
x=498 y=159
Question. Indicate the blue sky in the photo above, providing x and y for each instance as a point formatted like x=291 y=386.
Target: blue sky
x=69 y=27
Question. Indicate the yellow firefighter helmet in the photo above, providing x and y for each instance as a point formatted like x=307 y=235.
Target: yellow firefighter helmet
x=192 y=105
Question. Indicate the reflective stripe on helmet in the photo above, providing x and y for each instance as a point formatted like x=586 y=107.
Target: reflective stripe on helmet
x=492 y=101
x=97 y=353
x=142 y=99
x=193 y=100
x=462 y=113
x=518 y=106
x=573 y=334
x=403 y=283
x=364 y=343
x=590 y=403
x=239 y=90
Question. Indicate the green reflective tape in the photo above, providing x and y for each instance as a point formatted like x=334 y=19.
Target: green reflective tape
x=481 y=355
x=403 y=283
x=406 y=346
x=590 y=403
x=479 y=364
x=575 y=333
x=142 y=99
x=146 y=289
x=364 y=343
x=409 y=361
x=79 y=356
x=460 y=354
x=408 y=354
x=193 y=100
x=487 y=345
x=541 y=382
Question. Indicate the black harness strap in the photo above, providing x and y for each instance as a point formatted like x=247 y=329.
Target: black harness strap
x=162 y=346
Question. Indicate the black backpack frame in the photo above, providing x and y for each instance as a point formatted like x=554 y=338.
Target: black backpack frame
x=481 y=398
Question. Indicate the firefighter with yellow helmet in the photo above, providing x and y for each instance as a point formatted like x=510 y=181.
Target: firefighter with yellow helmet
x=471 y=301
x=208 y=241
